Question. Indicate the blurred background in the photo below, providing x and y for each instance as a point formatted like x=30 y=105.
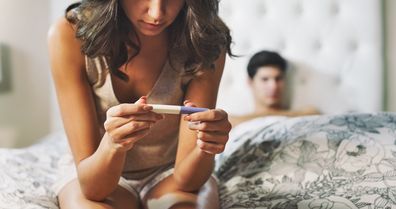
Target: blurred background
x=27 y=100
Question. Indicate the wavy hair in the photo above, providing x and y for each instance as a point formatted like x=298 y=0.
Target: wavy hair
x=197 y=34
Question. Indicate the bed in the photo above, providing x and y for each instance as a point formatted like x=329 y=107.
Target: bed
x=345 y=158
x=333 y=162
x=26 y=175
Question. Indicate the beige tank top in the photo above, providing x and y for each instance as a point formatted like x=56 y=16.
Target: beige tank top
x=158 y=148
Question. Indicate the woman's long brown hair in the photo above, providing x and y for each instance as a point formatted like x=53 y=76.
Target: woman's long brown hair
x=197 y=34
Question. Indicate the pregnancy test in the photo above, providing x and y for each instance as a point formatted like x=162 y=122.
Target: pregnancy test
x=174 y=109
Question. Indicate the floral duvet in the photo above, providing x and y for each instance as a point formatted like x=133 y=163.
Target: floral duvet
x=321 y=162
x=327 y=162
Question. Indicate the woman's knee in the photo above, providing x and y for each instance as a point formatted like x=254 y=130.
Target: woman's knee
x=206 y=198
x=72 y=197
x=173 y=200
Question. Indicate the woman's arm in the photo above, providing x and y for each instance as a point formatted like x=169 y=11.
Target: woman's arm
x=79 y=116
x=195 y=158
x=99 y=159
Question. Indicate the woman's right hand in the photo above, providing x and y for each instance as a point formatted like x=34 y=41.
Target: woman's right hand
x=128 y=123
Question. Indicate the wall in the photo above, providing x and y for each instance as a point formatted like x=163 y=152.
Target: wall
x=24 y=115
x=391 y=53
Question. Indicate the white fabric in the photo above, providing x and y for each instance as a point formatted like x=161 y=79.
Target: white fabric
x=243 y=131
x=335 y=48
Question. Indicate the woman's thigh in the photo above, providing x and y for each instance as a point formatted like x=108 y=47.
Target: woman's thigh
x=71 y=197
x=165 y=195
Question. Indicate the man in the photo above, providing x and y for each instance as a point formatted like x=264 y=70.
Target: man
x=267 y=74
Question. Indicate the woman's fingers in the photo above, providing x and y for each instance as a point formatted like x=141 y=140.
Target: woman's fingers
x=222 y=126
x=128 y=123
x=115 y=122
x=188 y=103
x=212 y=142
x=210 y=115
x=134 y=137
x=128 y=109
x=119 y=134
x=212 y=129
x=211 y=148
x=128 y=142
x=142 y=100
x=213 y=137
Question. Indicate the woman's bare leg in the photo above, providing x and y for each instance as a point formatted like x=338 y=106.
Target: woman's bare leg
x=208 y=196
x=165 y=195
x=71 y=197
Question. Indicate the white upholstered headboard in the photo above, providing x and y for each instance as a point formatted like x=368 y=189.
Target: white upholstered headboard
x=334 y=46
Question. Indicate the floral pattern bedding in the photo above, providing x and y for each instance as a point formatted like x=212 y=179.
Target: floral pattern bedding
x=26 y=175
x=327 y=162
x=320 y=162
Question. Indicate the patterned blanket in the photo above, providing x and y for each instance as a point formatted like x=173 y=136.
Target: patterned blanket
x=26 y=175
x=326 y=162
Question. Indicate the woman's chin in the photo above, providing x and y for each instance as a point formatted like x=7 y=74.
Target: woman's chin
x=150 y=30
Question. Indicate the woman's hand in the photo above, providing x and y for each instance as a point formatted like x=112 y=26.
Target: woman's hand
x=212 y=129
x=127 y=123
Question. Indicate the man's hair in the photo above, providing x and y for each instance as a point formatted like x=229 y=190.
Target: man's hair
x=265 y=58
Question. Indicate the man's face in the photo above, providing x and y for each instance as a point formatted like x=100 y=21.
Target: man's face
x=268 y=86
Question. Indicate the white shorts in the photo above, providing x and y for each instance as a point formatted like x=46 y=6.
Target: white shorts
x=139 y=188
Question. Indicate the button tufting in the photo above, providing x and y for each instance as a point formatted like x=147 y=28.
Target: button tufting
x=246 y=45
x=335 y=9
x=282 y=45
x=261 y=9
x=352 y=46
x=298 y=10
x=317 y=45
x=337 y=80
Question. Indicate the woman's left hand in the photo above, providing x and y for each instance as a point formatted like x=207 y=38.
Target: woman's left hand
x=212 y=129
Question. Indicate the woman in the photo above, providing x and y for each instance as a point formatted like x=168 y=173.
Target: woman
x=110 y=60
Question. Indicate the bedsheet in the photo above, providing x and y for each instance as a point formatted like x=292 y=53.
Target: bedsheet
x=328 y=162
x=26 y=175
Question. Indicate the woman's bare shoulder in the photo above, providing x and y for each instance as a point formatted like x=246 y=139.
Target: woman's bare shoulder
x=63 y=44
x=61 y=29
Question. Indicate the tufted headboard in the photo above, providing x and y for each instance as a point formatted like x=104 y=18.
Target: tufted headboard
x=333 y=46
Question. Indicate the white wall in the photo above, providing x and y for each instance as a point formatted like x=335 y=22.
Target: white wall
x=24 y=115
x=29 y=110
x=391 y=53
